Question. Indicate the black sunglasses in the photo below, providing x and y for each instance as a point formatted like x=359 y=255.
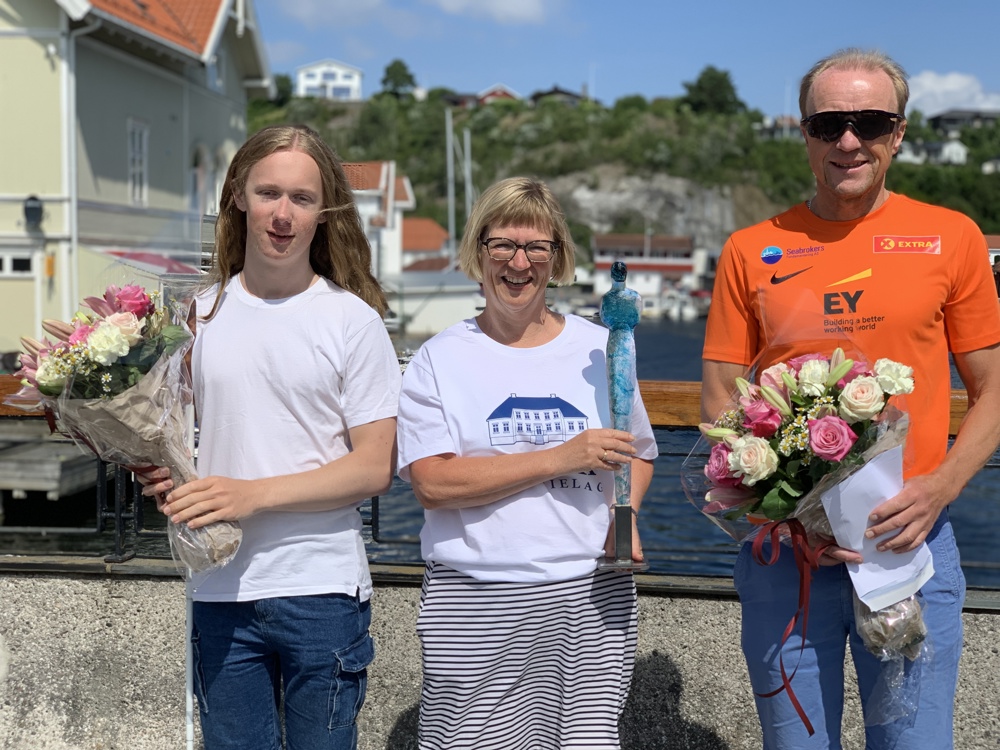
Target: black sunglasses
x=869 y=124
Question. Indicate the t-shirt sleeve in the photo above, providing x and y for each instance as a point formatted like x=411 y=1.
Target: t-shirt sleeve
x=732 y=330
x=971 y=315
x=422 y=427
x=372 y=377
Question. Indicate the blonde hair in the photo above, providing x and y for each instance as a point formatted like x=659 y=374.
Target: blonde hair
x=853 y=58
x=339 y=251
x=517 y=201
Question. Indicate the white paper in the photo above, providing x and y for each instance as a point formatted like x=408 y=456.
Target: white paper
x=884 y=578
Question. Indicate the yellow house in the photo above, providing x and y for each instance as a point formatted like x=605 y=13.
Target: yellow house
x=120 y=120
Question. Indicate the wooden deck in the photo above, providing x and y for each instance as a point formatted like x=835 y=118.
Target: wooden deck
x=670 y=403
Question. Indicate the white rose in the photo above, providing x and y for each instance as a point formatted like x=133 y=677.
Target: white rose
x=106 y=343
x=753 y=459
x=894 y=378
x=861 y=399
x=130 y=326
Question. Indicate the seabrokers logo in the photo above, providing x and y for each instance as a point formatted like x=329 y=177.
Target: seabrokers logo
x=894 y=243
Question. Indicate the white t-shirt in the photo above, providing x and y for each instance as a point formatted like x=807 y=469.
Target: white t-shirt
x=466 y=394
x=278 y=384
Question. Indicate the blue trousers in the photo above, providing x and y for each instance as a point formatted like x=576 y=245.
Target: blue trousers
x=311 y=650
x=769 y=599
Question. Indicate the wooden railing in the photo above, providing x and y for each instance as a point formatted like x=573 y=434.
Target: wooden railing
x=670 y=403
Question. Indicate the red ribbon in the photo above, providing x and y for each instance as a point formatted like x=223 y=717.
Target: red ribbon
x=806 y=560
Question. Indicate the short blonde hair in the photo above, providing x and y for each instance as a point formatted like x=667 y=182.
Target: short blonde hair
x=853 y=58
x=517 y=201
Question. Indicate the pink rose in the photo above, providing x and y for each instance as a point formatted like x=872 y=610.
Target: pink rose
x=132 y=298
x=762 y=419
x=830 y=438
x=79 y=336
x=717 y=468
x=771 y=377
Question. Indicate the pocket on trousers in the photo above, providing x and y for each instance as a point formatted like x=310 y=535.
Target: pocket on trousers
x=350 y=683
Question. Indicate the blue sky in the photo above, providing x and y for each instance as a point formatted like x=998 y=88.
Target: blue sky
x=648 y=47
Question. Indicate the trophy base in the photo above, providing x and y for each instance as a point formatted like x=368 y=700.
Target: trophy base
x=611 y=563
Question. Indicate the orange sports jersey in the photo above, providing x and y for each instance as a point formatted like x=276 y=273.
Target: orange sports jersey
x=909 y=282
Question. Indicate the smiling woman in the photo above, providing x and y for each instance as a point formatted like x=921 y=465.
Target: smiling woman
x=516 y=476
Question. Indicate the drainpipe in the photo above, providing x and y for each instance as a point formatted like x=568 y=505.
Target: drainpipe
x=71 y=291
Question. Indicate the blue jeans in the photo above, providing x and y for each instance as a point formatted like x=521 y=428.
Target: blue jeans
x=314 y=649
x=769 y=598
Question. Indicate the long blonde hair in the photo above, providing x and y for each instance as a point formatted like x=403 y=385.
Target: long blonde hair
x=339 y=251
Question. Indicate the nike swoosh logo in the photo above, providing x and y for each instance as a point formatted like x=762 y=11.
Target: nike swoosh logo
x=775 y=279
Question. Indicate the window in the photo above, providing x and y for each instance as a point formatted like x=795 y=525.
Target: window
x=506 y=428
x=330 y=75
x=496 y=429
x=138 y=162
x=347 y=76
x=15 y=264
x=314 y=91
x=340 y=92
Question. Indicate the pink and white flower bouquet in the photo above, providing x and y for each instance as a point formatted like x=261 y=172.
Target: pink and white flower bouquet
x=808 y=423
x=763 y=466
x=114 y=380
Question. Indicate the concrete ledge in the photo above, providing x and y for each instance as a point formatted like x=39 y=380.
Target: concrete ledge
x=95 y=661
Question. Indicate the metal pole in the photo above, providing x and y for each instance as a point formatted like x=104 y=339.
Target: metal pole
x=467 y=172
x=450 y=153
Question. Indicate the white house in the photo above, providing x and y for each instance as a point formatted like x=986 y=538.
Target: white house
x=329 y=79
x=664 y=270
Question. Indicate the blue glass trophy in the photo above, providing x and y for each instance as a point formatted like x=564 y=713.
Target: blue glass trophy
x=620 y=311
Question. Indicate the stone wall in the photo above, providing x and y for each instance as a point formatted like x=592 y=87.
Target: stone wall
x=96 y=662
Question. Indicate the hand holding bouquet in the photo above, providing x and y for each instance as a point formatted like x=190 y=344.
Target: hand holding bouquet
x=113 y=380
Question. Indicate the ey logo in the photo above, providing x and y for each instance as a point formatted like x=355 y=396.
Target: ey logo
x=838 y=303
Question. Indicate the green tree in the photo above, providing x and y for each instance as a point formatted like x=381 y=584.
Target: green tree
x=714 y=92
x=397 y=79
x=283 y=84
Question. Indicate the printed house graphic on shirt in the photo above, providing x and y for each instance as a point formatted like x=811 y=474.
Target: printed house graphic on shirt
x=535 y=419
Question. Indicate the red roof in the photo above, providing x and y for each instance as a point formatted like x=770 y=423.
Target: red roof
x=638 y=241
x=365 y=175
x=184 y=23
x=429 y=264
x=993 y=241
x=421 y=234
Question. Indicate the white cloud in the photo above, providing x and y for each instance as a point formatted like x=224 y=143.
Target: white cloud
x=502 y=11
x=933 y=93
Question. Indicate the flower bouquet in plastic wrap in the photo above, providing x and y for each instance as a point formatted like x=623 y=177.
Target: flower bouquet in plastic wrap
x=803 y=452
x=115 y=381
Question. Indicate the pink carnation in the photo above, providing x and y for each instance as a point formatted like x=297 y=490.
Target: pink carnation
x=762 y=419
x=831 y=438
x=717 y=468
x=80 y=335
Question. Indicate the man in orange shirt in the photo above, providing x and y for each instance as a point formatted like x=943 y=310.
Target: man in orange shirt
x=899 y=279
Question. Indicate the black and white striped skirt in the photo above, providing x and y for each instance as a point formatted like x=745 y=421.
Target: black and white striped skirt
x=525 y=666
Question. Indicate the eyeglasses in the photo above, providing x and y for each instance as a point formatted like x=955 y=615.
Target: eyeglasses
x=869 y=124
x=537 y=251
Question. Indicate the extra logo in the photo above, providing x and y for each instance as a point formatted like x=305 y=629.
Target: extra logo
x=895 y=243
